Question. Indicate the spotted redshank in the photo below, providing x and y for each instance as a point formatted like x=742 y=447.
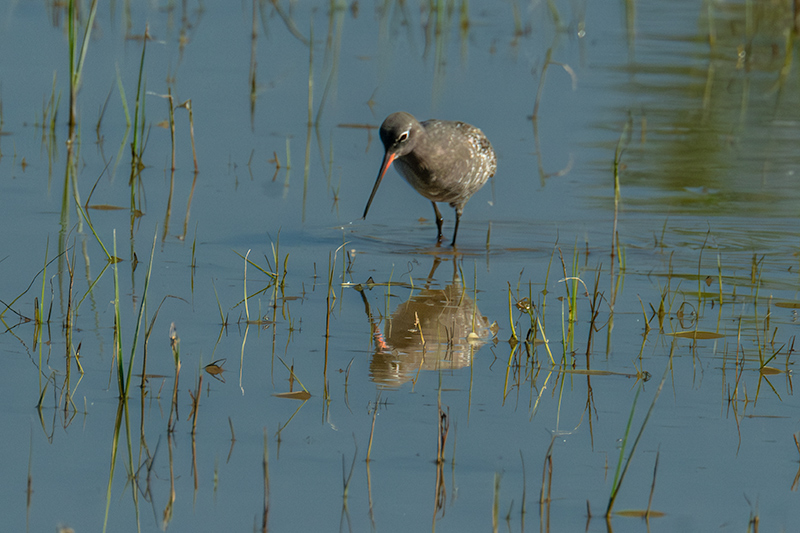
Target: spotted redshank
x=444 y=161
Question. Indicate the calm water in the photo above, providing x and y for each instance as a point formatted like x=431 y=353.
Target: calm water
x=704 y=101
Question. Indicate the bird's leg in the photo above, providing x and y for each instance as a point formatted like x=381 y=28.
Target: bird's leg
x=459 y=210
x=439 y=222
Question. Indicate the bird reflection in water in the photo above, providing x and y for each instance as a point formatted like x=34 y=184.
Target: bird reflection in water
x=435 y=329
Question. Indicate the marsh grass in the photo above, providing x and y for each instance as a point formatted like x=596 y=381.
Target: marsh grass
x=167 y=514
x=292 y=378
x=374 y=409
x=175 y=347
x=29 y=484
x=307 y=158
x=545 y=491
x=594 y=311
x=616 y=255
x=496 y=502
x=244 y=286
x=112 y=467
x=765 y=335
x=138 y=144
x=513 y=340
x=330 y=301
x=187 y=105
x=196 y=407
x=49 y=121
x=67 y=390
x=265 y=470
x=126 y=111
x=276 y=282
x=621 y=470
x=346 y=479
x=171 y=126
x=444 y=430
x=572 y=306
x=542 y=380
x=123 y=375
x=77 y=56
x=571 y=283
x=252 y=75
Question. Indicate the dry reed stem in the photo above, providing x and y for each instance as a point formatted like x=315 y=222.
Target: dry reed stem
x=444 y=428
x=372 y=430
x=196 y=403
x=265 y=466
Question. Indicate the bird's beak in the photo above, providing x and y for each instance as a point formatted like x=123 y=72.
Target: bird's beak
x=388 y=157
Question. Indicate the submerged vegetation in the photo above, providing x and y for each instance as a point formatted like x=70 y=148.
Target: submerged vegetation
x=367 y=352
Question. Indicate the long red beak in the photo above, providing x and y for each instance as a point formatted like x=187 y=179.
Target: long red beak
x=388 y=157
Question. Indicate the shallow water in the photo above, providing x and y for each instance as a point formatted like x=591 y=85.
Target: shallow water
x=707 y=232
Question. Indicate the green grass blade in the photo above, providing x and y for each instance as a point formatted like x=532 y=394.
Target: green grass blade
x=118 y=326
x=619 y=476
x=141 y=311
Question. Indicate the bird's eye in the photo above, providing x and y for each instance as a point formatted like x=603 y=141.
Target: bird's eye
x=403 y=136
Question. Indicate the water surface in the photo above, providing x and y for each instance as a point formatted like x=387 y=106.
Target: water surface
x=697 y=103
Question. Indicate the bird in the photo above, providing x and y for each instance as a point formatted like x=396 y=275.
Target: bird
x=445 y=161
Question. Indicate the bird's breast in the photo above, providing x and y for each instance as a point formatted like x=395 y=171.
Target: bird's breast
x=425 y=180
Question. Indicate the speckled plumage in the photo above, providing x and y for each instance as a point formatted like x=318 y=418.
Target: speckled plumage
x=444 y=161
